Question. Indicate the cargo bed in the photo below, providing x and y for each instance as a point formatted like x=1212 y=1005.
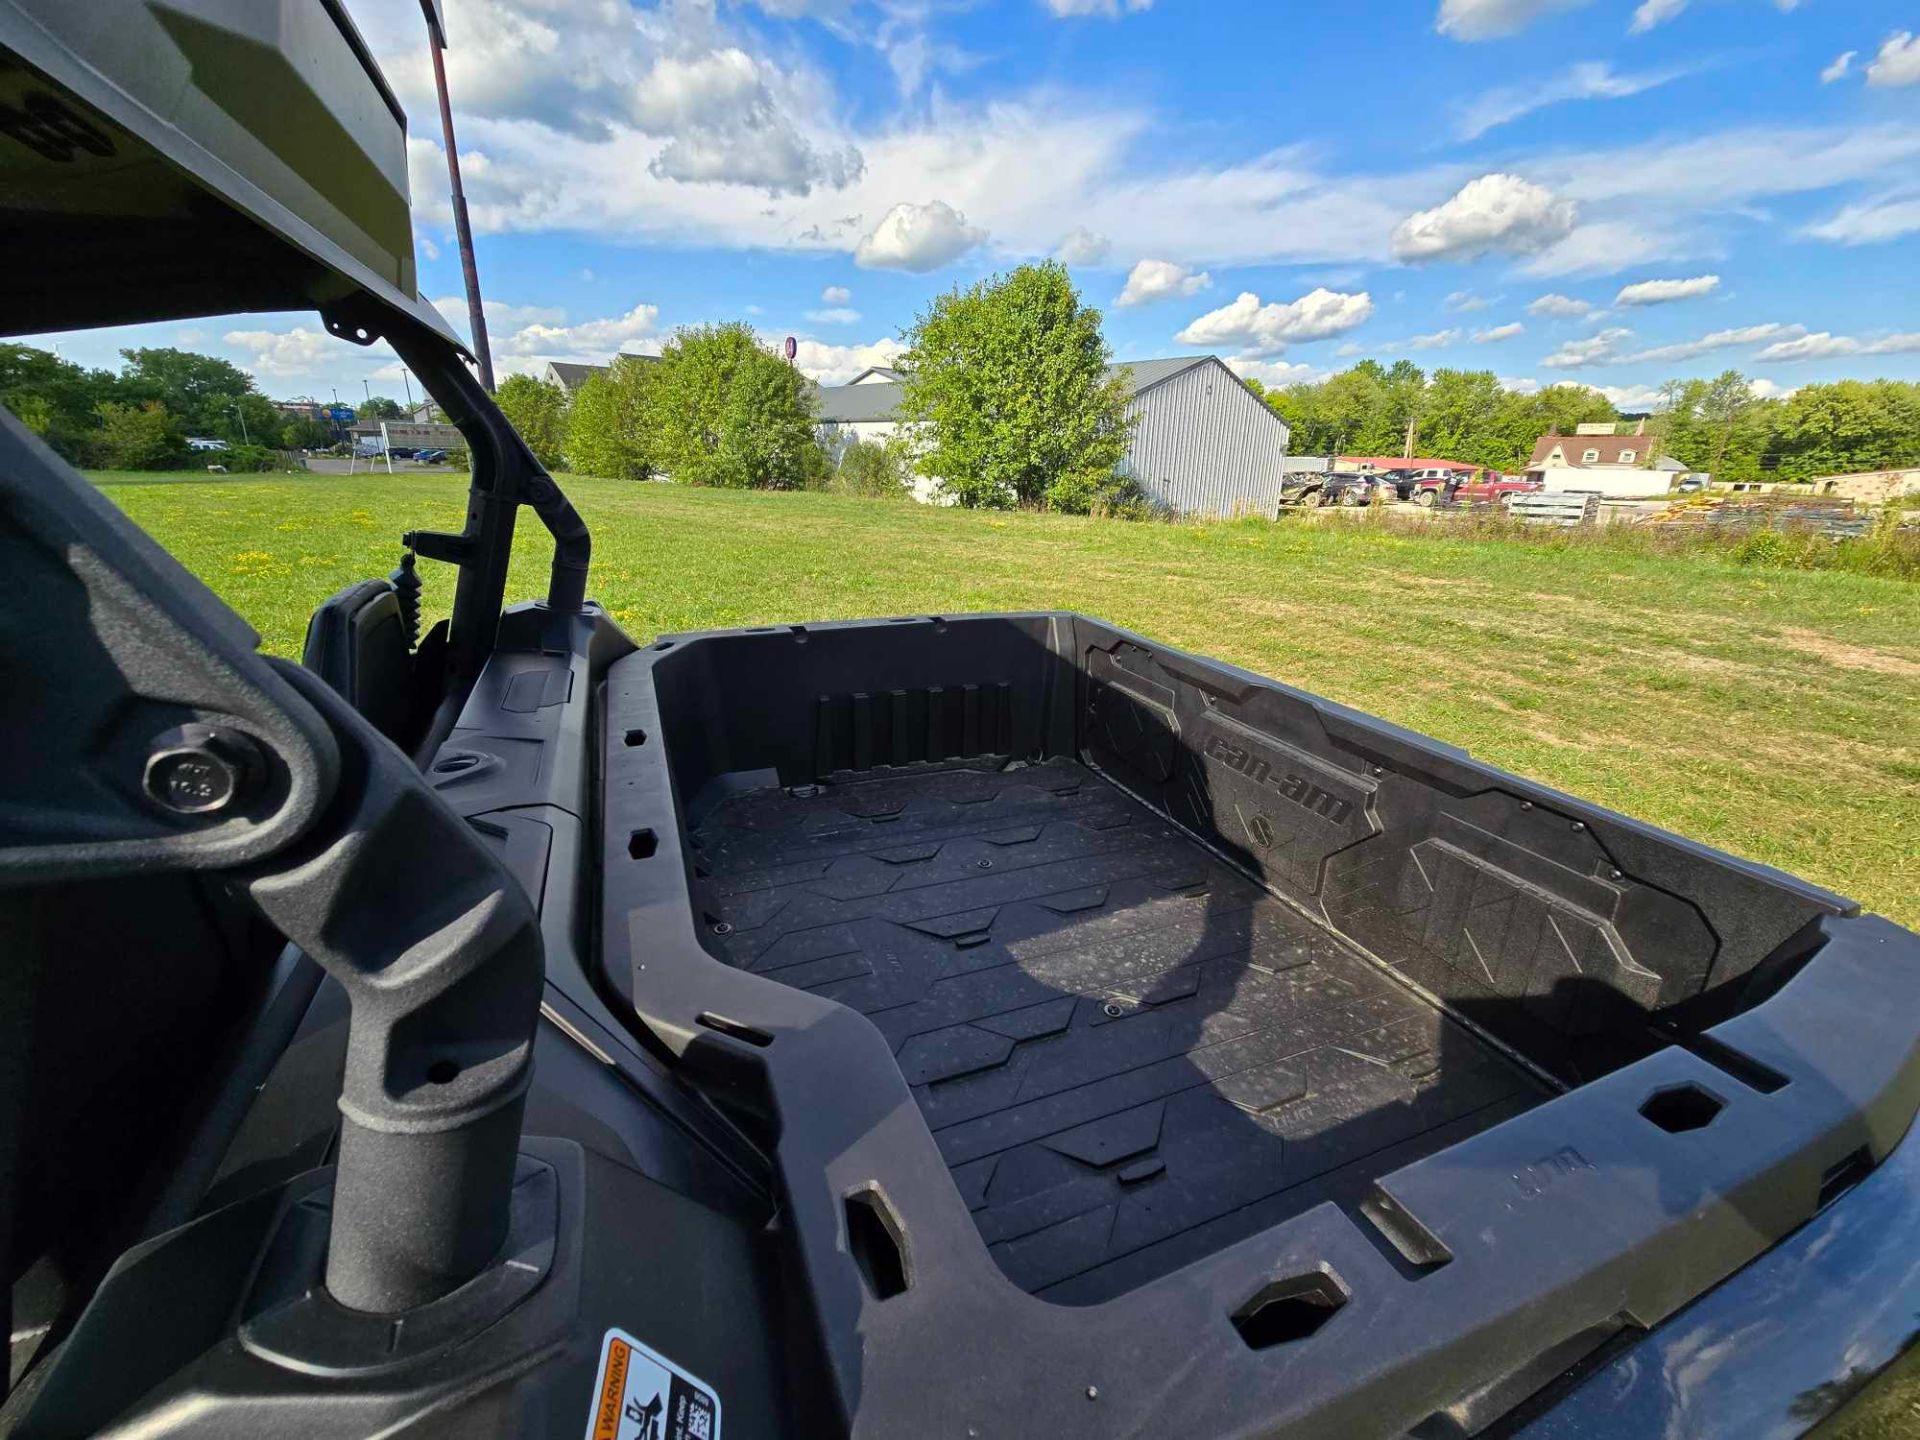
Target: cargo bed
x=1145 y=1047
x=1128 y=1052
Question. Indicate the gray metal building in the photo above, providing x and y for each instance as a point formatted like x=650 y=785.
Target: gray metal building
x=1203 y=443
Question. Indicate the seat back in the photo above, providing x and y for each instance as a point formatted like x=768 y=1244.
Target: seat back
x=357 y=641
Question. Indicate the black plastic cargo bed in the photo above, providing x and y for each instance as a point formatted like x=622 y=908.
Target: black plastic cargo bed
x=1128 y=1052
x=1145 y=1047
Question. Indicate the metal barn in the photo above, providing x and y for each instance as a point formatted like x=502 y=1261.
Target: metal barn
x=1203 y=443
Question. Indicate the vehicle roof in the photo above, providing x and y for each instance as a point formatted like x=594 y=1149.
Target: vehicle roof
x=198 y=158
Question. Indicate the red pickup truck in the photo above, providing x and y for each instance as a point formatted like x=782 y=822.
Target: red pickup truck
x=1429 y=486
x=1498 y=488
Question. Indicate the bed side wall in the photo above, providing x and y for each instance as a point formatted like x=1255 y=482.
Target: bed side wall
x=1563 y=929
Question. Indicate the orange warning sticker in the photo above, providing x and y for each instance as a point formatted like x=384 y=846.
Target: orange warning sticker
x=642 y=1395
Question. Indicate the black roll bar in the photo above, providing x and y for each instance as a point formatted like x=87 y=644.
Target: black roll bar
x=505 y=476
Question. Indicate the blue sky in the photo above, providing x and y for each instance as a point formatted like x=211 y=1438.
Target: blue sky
x=1610 y=192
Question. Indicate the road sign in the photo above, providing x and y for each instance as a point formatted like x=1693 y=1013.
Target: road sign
x=792 y=348
x=342 y=414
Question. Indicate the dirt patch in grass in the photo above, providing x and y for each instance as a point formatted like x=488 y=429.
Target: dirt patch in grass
x=1850 y=657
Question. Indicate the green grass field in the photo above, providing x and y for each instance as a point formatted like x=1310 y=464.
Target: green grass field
x=1773 y=713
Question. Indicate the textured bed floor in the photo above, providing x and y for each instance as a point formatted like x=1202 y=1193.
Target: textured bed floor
x=1129 y=1054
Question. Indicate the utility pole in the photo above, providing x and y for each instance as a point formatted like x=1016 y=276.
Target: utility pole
x=476 y=317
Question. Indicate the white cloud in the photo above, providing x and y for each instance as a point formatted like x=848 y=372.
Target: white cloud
x=1655 y=12
x=1273 y=373
x=1497 y=212
x=837 y=315
x=592 y=341
x=1494 y=334
x=1663 y=292
x=918 y=238
x=836 y=295
x=553 y=145
x=1083 y=247
x=1584 y=80
x=1520 y=385
x=1465 y=302
x=837 y=364
x=1886 y=217
x=1153 y=280
x=1838 y=70
x=1765 y=389
x=1602 y=248
x=1438 y=340
x=1898 y=62
x=1626 y=397
x=1607 y=347
x=1658 y=12
x=1718 y=340
x=1823 y=346
x=1563 y=307
x=673 y=79
x=500 y=314
x=1106 y=9
x=1492 y=19
x=1600 y=349
x=726 y=128
x=1264 y=330
x=298 y=351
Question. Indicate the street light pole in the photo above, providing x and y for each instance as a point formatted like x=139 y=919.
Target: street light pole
x=476 y=317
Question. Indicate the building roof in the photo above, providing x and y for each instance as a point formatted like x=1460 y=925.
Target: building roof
x=875 y=403
x=880 y=374
x=570 y=376
x=867 y=404
x=1395 y=462
x=1632 y=451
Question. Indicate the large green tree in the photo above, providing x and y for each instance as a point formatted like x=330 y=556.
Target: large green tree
x=53 y=397
x=538 y=410
x=1009 y=397
x=140 y=437
x=725 y=410
x=207 y=395
x=609 y=428
x=1846 y=426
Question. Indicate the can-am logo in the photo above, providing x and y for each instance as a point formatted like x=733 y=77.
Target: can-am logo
x=1297 y=788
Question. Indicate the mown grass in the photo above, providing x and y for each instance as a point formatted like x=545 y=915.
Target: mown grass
x=1771 y=712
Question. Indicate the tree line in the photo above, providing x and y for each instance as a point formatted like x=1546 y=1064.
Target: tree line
x=139 y=417
x=1008 y=401
x=1719 y=425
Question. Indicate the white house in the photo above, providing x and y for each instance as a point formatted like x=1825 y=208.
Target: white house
x=1595 y=460
x=1202 y=442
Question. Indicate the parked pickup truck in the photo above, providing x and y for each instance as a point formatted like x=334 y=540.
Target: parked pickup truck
x=1423 y=486
x=1498 y=488
x=1002 y=1025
